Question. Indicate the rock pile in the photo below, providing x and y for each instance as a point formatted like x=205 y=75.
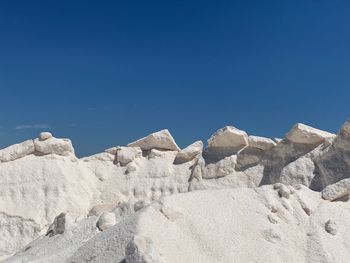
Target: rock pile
x=137 y=203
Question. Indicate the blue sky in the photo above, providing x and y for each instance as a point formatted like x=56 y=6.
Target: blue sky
x=105 y=73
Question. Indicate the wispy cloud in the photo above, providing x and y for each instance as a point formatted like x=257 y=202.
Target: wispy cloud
x=32 y=126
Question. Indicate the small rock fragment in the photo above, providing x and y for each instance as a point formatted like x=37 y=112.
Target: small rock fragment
x=272 y=218
x=106 y=221
x=331 y=227
x=44 y=136
x=283 y=191
x=139 y=205
x=58 y=226
x=274 y=209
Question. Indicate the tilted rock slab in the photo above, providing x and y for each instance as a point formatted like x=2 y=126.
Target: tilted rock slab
x=157 y=140
x=338 y=190
x=301 y=133
x=225 y=142
x=261 y=143
x=190 y=152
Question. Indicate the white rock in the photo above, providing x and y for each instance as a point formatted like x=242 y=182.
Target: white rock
x=126 y=155
x=159 y=140
x=190 y=152
x=227 y=138
x=106 y=221
x=331 y=227
x=17 y=151
x=284 y=191
x=44 y=136
x=54 y=146
x=301 y=133
x=337 y=190
x=261 y=142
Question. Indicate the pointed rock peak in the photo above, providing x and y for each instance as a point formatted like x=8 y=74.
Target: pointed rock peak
x=157 y=140
x=228 y=137
x=303 y=134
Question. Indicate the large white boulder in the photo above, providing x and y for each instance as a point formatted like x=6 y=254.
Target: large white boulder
x=337 y=190
x=126 y=155
x=190 y=152
x=301 y=133
x=228 y=137
x=159 y=140
x=261 y=143
x=54 y=146
x=17 y=151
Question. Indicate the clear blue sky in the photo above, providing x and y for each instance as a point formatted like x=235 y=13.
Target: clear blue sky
x=104 y=73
